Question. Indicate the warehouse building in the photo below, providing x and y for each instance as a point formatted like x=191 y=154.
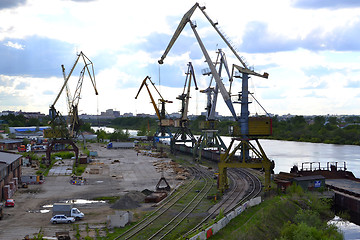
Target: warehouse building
x=10 y=173
x=310 y=182
x=10 y=144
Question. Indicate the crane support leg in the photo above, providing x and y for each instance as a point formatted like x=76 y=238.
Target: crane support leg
x=258 y=160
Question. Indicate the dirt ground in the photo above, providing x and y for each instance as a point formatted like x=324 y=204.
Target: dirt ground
x=115 y=172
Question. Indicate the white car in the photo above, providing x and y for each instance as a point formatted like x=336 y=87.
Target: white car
x=58 y=158
x=61 y=219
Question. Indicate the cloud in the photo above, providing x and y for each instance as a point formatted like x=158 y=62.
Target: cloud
x=22 y=86
x=331 y=4
x=48 y=92
x=39 y=57
x=313 y=95
x=317 y=85
x=353 y=84
x=11 y=3
x=14 y=45
x=274 y=94
x=12 y=101
x=259 y=39
x=6 y=81
x=319 y=71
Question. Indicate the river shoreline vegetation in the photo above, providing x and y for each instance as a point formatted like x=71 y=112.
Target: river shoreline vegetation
x=319 y=129
x=315 y=129
x=294 y=215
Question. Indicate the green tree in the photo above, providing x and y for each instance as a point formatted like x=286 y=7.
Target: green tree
x=101 y=135
x=86 y=127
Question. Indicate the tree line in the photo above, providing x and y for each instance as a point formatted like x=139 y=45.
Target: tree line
x=318 y=129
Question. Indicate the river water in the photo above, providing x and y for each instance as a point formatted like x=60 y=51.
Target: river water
x=287 y=154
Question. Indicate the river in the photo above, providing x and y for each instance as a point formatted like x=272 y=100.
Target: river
x=287 y=153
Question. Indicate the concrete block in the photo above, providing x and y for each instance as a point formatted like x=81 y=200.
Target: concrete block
x=120 y=219
x=254 y=201
x=216 y=227
x=238 y=210
x=231 y=215
x=245 y=205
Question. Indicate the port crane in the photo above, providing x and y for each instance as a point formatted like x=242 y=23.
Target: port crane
x=230 y=159
x=209 y=138
x=183 y=133
x=62 y=132
x=163 y=130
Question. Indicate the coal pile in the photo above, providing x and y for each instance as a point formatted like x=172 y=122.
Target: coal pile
x=130 y=201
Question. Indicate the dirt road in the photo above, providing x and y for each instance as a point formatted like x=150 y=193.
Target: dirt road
x=112 y=173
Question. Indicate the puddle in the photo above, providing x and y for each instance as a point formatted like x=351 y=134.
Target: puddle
x=39 y=211
x=83 y=201
x=75 y=201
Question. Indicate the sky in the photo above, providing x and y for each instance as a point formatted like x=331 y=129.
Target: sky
x=310 y=48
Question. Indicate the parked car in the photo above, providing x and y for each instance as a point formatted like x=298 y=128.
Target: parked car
x=58 y=158
x=62 y=219
x=10 y=203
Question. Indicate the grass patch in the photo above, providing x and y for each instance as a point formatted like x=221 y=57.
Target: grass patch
x=266 y=220
x=110 y=199
x=79 y=170
x=263 y=221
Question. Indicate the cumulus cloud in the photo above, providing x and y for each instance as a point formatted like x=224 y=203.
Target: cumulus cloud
x=12 y=101
x=259 y=39
x=14 y=45
x=39 y=57
x=316 y=85
x=331 y=4
x=11 y=3
x=22 y=86
x=353 y=84
x=313 y=95
x=48 y=92
x=319 y=71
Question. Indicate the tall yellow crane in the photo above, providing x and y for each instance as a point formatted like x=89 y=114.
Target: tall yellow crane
x=164 y=123
x=230 y=159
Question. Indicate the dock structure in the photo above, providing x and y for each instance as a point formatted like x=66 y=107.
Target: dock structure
x=347 y=196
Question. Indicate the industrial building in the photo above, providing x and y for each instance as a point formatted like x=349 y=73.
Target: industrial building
x=310 y=182
x=9 y=144
x=28 y=132
x=10 y=173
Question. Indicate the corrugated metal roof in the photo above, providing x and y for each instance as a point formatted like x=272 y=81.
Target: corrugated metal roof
x=305 y=178
x=9 y=158
x=8 y=141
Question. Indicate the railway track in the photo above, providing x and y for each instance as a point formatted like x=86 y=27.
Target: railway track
x=244 y=185
x=172 y=213
x=171 y=219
